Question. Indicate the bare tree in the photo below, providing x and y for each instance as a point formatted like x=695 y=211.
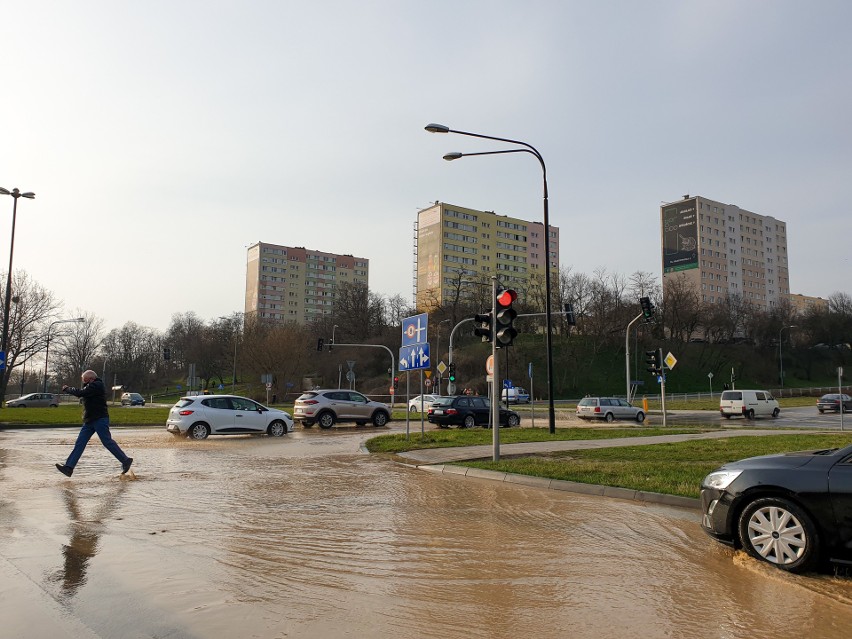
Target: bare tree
x=77 y=345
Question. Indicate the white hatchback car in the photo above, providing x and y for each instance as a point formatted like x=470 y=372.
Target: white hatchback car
x=414 y=403
x=203 y=415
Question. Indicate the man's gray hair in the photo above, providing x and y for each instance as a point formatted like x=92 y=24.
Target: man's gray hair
x=89 y=374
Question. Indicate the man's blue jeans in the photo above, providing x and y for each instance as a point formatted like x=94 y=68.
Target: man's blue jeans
x=101 y=427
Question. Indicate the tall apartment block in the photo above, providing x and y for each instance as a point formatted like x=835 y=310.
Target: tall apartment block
x=724 y=250
x=452 y=242
x=295 y=284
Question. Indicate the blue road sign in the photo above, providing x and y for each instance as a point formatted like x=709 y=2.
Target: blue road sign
x=414 y=357
x=2 y=361
x=507 y=383
x=414 y=329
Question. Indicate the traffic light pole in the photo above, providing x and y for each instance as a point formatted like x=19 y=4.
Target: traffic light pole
x=627 y=351
x=662 y=384
x=495 y=398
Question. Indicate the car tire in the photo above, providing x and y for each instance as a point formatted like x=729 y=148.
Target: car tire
x=326 y=420
x=380 y=418
x=640 y=417
x=778 y=531
x=750 y=414
x=54 y=406
x=307 y=424
x=609 y=418
x=821 y=411
x=198 y=431
x=412 y=409
x=776 y=412
x=726 y=416
x=276 y=429
x=513 y=420
x=469 y=421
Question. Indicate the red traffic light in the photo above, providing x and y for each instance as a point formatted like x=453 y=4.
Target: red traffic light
x=505 y=298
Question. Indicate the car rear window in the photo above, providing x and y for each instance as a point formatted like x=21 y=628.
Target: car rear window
x=732 y=395
x=183 y=402
x=588 y=401
x=306 y=396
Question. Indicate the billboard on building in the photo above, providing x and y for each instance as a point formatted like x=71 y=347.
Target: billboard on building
x=680 y=237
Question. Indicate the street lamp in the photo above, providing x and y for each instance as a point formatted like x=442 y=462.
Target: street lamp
x=438 y=353
x=780 y=360
x=440 y=128
x=15 y=193
x=47 y=349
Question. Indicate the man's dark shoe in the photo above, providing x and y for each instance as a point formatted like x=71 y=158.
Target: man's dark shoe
x=126 y=465
x=65 y=470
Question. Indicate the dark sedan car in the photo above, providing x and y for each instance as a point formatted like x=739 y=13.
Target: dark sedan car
x=793 y=510
x=467 y=411
x=832 y=402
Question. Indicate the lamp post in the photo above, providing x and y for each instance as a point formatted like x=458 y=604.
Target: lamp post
x=780 y=360
x=47 y=349
x=15 y=193
x=440 y=128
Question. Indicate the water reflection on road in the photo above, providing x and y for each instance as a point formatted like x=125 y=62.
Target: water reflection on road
x=307 y=537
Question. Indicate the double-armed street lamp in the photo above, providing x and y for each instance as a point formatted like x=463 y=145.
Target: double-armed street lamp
x=15 y=193
x=528 y=148
x=76 y=320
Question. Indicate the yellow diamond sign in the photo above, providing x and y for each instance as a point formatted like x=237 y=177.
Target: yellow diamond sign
x=670 y=361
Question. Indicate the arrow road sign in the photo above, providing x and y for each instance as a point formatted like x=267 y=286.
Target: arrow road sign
x=414 y=357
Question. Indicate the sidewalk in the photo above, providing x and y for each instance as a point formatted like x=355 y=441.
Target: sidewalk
x=440 y=460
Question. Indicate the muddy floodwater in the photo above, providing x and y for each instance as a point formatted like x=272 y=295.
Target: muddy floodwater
x=306 y=536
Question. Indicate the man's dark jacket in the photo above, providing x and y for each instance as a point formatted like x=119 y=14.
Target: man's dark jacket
x=93 y=395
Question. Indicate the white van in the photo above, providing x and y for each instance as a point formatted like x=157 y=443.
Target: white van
x=748 y=404
x=516 y=395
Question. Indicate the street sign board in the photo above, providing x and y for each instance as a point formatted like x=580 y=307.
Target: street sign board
x=428 y=383
x=414 y=357
x=489 y=365
x=670 y=361
x=414 y=329
x=451 y=388
x=442 y=368
x=507 y=383
x=2 y=360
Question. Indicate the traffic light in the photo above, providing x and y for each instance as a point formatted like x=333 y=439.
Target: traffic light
x=569 y=315
x=396 y=382
x=167 y=353
x=647 y=308
x=452 y=374
x=484 y=328
x=504 y=317
x=320 y=342
x=652 y=359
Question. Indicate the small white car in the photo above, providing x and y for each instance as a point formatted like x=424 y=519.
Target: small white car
x=609 y=409
x=414 y=403
x=35 y=400
x=204 y=415
x=516 y=395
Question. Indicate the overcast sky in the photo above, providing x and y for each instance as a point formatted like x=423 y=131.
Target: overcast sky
x=164 y=137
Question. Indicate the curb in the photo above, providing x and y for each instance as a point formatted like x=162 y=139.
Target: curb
x=596 y=490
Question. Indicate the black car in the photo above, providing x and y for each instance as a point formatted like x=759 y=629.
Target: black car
x=793 y=510
x=832 y=402
x=467 y=411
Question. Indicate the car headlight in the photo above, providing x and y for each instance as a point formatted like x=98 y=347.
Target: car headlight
x=720 y=479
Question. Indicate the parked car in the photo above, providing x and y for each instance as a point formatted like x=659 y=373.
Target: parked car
x=609 y=409
x=132 y=399
x=326 y=407
x=414 y=404
x=466 y=411
x=203 y=415
x=34 y=400
x=748 y=404
x=516 y=395
x=793 y=510
x=832 y=402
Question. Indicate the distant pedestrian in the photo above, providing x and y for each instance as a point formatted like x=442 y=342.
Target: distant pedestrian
x=95 y=420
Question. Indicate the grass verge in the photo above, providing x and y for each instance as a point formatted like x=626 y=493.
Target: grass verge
x=674 y=469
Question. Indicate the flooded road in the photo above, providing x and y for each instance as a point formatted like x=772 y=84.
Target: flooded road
x=305 y=536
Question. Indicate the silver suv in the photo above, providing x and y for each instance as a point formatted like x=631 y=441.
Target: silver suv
x=325 y=407
x=608 y=409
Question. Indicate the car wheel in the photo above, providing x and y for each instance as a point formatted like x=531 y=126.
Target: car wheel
x=380 y=418
x=412 y=409
x=54 y=405
x=776 y=530
x=198 y=431
x=276 y=429
x=821 y=411
x=776 y=412
x=726 y=416
x=609 y=418
x=307 y=424
x=750 y=414
x=469 y=421
x=513 y=420
x=640 y=417
x=326 y=420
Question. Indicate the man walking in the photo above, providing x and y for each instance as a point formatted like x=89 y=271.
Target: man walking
x=95 y=420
